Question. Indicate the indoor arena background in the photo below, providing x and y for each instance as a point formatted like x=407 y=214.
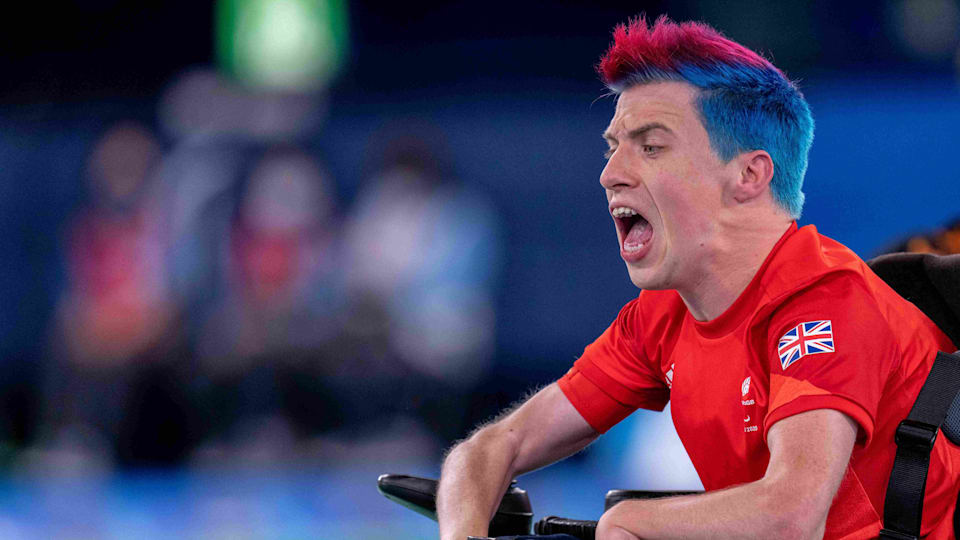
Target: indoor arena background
x=256 y=253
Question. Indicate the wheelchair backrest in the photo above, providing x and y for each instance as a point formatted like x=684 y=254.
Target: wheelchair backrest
x=930 y=282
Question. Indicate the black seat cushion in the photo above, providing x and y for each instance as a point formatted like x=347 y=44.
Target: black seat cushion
x=931 y=282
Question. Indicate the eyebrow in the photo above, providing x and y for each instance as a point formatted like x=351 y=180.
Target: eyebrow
x=638 y=132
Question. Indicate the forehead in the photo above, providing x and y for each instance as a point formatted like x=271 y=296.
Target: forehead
x=670 y=103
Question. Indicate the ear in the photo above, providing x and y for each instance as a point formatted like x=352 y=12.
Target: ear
x=756 y=171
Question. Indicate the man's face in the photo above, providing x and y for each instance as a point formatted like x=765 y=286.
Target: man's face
x=664 y=185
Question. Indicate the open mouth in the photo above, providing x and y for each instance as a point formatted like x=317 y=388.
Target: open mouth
x=633 y=229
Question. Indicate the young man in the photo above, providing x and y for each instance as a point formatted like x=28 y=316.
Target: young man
x=789 y=364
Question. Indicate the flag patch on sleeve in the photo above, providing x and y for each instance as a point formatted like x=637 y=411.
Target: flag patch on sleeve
x=814 y=337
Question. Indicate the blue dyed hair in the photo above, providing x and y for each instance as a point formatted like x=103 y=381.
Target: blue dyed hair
x=745 y=102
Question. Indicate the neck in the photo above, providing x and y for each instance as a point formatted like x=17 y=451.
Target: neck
x=732 y=264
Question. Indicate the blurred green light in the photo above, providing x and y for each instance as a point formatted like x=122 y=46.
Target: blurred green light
x=281 y=44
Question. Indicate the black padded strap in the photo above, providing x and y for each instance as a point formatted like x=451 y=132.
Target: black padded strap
x=903 y=506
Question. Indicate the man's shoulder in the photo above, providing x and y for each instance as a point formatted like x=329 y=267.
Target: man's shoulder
x=814 y=277
x=809 y=259
x=847 y=294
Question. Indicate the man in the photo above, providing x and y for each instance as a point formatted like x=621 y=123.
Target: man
x=788 y=363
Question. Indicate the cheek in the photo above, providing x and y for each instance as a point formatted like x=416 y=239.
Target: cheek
x=674 y=195
x=684 y=207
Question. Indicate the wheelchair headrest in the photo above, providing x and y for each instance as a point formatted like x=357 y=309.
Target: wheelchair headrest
x=930 y=282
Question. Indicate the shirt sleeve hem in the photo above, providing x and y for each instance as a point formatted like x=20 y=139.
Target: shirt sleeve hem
x=653 y=399
x=838 y=403
x=598 y=408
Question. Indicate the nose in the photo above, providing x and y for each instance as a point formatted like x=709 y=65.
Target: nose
x=615 y=175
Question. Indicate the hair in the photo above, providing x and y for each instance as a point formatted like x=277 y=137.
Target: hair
x=745 y=102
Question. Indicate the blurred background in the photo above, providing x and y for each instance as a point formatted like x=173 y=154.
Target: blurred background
x=257 y=252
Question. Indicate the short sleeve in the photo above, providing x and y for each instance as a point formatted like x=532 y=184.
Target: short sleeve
x=613 y=377
x=830 y=348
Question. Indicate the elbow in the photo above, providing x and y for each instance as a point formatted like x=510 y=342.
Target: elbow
x=788 y=527
x=490 y=442
x=461 y=451
x=609 y=529
x=496 y=435
x=791 y=516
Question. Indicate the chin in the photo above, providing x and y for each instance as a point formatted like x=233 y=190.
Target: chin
x=644 y=279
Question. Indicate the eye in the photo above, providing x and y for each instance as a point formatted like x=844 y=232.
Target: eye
x=650 y=149
x=609 y=153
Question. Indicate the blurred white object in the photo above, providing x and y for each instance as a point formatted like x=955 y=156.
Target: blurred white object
x=201 y=103
x=654 y=456
x=428 y=251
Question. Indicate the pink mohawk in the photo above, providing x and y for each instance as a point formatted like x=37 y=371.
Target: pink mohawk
x=667 y=46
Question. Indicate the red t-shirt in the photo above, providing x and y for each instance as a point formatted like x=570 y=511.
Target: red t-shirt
x=814 y=329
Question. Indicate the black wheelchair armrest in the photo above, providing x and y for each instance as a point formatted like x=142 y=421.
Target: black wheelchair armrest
x=615 y=496
x=514 y=515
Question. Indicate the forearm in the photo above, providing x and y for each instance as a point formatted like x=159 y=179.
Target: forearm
x=478 y=471
x=474 y=477
x=809 y=455
x=754 y=510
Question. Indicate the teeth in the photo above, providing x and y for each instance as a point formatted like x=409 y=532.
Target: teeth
x=623 y=211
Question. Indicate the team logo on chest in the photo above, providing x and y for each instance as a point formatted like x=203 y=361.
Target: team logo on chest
x=814 y=337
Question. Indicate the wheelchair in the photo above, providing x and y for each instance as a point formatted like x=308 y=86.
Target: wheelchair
x=930 y=282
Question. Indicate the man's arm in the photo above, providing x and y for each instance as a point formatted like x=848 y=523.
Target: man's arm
x=809 y=454
x=546 y=428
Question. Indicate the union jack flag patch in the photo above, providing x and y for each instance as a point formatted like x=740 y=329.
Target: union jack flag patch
x=814 y=337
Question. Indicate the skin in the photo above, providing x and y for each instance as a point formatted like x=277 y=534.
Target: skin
x=713 y=224
x=476 y=473
x=809 y=454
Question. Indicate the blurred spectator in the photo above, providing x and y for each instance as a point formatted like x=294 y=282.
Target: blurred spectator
x=422 y=261
x=113 y=377
x=279 y=305
x=943 y=241
x=116 y=304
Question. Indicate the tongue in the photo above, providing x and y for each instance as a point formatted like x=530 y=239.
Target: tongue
x=640 y=233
